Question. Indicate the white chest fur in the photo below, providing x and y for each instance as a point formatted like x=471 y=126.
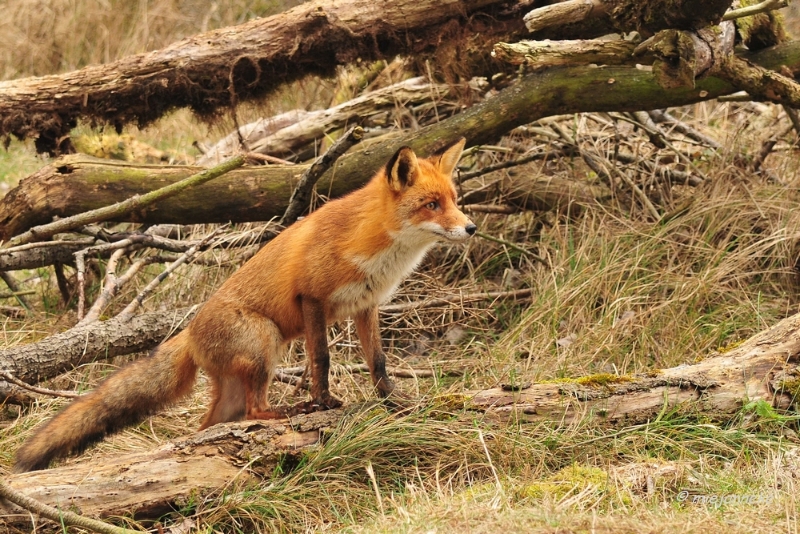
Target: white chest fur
x=383 y=272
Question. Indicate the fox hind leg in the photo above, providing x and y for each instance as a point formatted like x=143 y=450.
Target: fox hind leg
x=240 y=360
x=228 y=401
x=261 y=346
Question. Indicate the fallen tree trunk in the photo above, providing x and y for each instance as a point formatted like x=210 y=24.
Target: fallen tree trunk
x=61 y=352
x=762 y=369
x=218 y=69
x=75 y=184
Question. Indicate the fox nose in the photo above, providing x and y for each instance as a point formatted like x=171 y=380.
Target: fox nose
x=471 y=228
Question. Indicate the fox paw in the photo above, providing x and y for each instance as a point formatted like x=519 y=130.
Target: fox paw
x=328 y=402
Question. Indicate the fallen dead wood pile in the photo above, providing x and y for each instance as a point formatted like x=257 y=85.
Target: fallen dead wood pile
x=762 y=369
x=687 y=61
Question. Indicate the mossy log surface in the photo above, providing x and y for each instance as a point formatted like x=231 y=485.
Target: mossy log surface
x=764 y=368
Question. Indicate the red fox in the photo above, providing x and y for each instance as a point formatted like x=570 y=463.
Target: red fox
x=343 y=260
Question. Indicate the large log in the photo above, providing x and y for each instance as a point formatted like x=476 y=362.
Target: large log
x=764 y=368
x=216 y=70
x=73 y=185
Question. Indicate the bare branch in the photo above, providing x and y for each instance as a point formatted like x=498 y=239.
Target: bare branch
x=445 y=301
x=655 y=132
x=558 y=14
x=536 y=156
x=126 y=314
x=8 y=377
x=794 y=118
x=545 y=54
x=659 y=116
x=266 y=158
x=505 y=209
x=113 y=284
x=15 y=291
x=299 y=199
x=16 y=294
x=758 y=81
x=767 y=5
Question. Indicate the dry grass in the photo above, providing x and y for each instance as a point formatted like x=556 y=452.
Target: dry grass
x=41 y=37
x=618 y=292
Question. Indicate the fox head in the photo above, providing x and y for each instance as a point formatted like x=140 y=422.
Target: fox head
x=425 y=196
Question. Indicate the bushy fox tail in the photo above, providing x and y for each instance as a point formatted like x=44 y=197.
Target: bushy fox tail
x=123 y=399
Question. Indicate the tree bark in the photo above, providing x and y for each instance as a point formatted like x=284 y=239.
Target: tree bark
x=586 y=19
x=764 y=368
x=76 y=184
x=129 y=205
x=218 y=69
x=41 y=256
x=545 y=54
x=154 y=481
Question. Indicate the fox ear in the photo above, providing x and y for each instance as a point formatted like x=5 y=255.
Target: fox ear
x=402 y=169
x=449 y=156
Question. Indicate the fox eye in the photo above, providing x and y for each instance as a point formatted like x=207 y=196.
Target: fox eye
x=432 y=205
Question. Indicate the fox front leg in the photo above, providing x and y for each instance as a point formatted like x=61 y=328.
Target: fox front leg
x=317 y=352
x=370 y=336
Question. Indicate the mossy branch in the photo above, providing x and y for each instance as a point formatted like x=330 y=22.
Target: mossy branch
x=766 y=5
x=119 y=209
x=758 y=81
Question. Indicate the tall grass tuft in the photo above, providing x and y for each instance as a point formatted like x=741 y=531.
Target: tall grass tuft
x=628 y=295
